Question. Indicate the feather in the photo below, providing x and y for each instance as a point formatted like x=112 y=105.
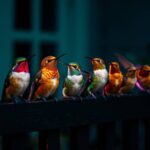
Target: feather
x=34 y=85
x=6 y=84
x=89 y=79
x=125 y=63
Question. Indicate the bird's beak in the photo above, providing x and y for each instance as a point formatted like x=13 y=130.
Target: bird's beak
x=60 y=56
x=69 y=66
x=65 y=64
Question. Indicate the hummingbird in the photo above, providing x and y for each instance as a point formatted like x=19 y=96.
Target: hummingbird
x=130 y=79
x=16 y=81
x=73 y=82
x=97 y=80
x=143 y=78
x=46 y=80
x=115 y=79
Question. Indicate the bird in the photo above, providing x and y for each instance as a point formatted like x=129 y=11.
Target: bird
x=17 y=81
x=129 y=79
x=143 y=78
x=97 y=79
x=73 y=82
x=115 y=79
x=46 y=80
x=142 y=73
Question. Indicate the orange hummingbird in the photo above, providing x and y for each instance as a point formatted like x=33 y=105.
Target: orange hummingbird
x=115 y=79
x=16 y=81
x=47 y=79
x=143 y=78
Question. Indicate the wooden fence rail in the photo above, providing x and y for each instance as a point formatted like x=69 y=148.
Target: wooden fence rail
x=74 y=117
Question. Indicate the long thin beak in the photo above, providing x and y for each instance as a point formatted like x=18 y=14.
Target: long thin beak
x=61 y=56
x=63 y=63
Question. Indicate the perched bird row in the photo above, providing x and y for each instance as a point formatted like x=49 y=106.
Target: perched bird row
x=78 y=83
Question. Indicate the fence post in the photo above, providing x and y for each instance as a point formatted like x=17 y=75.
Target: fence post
x=147 y=134
x=54 y=139
x=79 y=138
x=106 y=136
x=6 y=142
x=16 y=142
x=42 y=140
x=130 y=135
x=49 y=140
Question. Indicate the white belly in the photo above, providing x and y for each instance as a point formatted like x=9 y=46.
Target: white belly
x=76 y=84
x=102 y=76
x=23 y=81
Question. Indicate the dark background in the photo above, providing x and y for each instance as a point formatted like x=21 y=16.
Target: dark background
x=97 y=28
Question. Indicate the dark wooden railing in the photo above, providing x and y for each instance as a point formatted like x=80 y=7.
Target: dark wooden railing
x=121 y=123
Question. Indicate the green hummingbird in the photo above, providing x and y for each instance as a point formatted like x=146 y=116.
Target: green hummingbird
x=97 y=80
x=73 y=82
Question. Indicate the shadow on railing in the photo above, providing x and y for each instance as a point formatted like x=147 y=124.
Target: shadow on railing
x=74 y=119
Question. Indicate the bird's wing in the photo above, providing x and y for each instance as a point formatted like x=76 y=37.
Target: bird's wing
x=6 y=84
x=67 y=83
x=125 y=62
x=124 y=81
x=105 y=89
x=88 y=80
x=138 y=85
x=34 y=85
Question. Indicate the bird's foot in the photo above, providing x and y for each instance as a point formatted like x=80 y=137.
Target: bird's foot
x=93 y=96
x=69 y=97
x=52 y=98
x=104 y=97
x=65 y=98
x=39 y=99
x=17 y=100
x=23 y=100
x=80 y=98
x=73 y=98
x=43 y=99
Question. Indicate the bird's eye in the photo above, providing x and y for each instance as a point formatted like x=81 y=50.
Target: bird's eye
x=75 y=67
x=48 y=61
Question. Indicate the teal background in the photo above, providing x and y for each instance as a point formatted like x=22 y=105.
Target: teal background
x=97 y=28
x=72 y=35
x=84 y=27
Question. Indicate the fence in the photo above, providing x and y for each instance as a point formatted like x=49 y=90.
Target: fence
x=75 y=117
